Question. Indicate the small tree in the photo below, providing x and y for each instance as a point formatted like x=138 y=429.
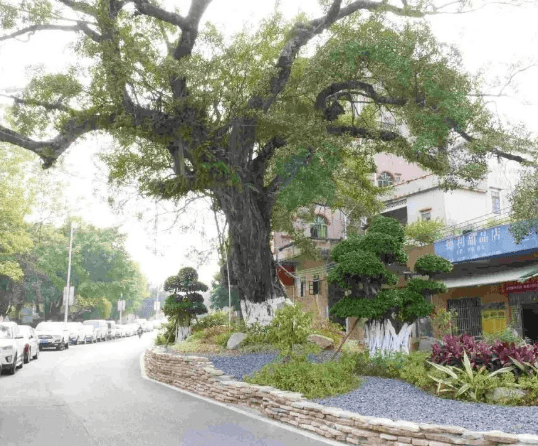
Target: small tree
x=185 y=302
x=361 y=270
x=423 y=232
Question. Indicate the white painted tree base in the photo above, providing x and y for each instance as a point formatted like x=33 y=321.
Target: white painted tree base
x=382 y=337
x=182 y=333
x=262 y=312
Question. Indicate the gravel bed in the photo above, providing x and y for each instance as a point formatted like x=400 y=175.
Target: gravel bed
x=398 y=400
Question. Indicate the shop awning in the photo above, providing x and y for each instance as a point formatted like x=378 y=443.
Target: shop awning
x=532 y=273
x=506 y=275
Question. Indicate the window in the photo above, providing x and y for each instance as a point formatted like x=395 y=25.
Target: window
x=426 y=215
x=496 y=201
x=397 y=177
x=302 y=286
x=314 y=286
x=385 y=179
x=318 y=229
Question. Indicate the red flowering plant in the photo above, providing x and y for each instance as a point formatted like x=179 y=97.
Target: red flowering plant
x=491 y=357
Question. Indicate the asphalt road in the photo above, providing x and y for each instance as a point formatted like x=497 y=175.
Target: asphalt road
x=95 y=395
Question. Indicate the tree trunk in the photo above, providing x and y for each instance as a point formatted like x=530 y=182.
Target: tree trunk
x=381 y=336
x=248 y=212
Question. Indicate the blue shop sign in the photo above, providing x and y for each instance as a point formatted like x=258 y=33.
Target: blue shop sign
x=492 y=242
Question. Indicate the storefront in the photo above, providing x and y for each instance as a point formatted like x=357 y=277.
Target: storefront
x=523 y=301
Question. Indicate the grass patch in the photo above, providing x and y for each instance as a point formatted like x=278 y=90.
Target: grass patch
x=312 y=380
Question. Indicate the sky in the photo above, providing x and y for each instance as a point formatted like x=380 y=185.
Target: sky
x=497 y=40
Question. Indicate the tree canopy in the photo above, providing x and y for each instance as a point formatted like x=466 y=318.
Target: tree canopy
x=261 y=120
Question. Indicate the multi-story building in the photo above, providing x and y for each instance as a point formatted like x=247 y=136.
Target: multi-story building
x=415 y=194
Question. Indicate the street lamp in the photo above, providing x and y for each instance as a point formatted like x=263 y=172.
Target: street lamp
x=67 y=293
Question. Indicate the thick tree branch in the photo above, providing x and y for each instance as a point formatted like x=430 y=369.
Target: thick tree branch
x=80 y=7
x=30 y=30
x=56 y=106
x=146 y=8
x=361 y=132
x=303 y=33
x=50 y=150
x=266 y=153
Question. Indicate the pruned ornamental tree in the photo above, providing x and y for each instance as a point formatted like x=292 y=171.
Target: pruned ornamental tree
x=361 y=270
x=242 y=120
x=185 y=302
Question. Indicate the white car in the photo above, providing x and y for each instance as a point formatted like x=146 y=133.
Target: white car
x=12 y=344
x=90 y=334
x=76 y=332
x=53 y=334
x=31 y=347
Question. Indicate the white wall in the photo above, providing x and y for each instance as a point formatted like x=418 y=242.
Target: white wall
x=463 y=205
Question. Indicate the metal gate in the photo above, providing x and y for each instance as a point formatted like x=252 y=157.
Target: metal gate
x=469 y=315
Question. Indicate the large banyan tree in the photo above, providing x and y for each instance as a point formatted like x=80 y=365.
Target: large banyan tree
x=241 y=118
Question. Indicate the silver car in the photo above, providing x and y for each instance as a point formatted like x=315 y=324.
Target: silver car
x=90 y=334
x=31 y=348
x=76 y=333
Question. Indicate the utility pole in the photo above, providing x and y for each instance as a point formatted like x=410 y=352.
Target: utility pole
x=68 y=294
x=121 y=305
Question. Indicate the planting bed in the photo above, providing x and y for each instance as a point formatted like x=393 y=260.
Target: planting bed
x=417 y=418
x=399 y=400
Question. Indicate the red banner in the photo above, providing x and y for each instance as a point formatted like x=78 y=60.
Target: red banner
x=518 y=287
x=285 y=278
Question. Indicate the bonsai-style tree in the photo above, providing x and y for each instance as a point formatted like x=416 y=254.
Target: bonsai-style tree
x=361 y=270
x=185 y=302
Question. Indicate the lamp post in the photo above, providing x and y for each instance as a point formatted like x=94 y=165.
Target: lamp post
x=67 y=295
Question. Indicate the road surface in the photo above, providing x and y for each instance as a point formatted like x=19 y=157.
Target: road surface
x=95 y=395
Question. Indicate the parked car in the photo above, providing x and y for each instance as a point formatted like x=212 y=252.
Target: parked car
x=76 y=332
x=11 y=347
x=112 y=331
x=52 y=335
x=133 y=328
x=101 y=328
x=31 y=348
x=122 y=330
x=90 y=334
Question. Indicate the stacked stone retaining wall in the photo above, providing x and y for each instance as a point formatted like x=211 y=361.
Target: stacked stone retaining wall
x=198 y=375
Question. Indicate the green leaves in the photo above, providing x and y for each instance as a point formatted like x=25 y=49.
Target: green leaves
x=463 y=381
x=431 y=264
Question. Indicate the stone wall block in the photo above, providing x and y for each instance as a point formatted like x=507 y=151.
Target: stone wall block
x=388 y=437
x=406 y=440
x=500 y=437
x=439 y=443
x=419 y=442
x=441 y=428
x=445 y=438
x=528 y=438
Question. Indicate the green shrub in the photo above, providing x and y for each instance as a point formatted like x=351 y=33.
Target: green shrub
x=312 y=380
x=467 y=382
x=167 y=334
x=388 y=366
x=222 y=339
x=329 y=329
x=290 y=327
x=256 y=334
x=257 y=348
x=211 y=320
x=416 y=370
x=505 y=335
